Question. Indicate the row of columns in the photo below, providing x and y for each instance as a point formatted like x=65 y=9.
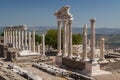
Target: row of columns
x=19 y=38
x=92 y=43
x=67 y=38
x=65 y=19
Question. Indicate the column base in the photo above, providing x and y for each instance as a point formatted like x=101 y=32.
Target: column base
x=59 y=54
x=103 y=61
x=65 y=55
x=58 y=60
x=70 y=56
x=85 y=59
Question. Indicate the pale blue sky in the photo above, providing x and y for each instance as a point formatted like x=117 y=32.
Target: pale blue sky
x=41 y=12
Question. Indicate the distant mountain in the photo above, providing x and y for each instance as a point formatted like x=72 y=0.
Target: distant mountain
x=44 y=29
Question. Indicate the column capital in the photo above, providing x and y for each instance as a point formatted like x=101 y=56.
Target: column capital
x=93 y=20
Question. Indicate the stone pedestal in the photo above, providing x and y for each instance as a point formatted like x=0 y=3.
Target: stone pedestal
x=58 y=60
x=93 y=69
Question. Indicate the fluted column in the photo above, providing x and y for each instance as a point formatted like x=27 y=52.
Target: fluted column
x=43 y=44
x=8 y=35
x=26 y=46
x=22 y=39
x=29 y=41
x=33 y=41
x=67 y=39
x=59 y=38
x=92 y=21
x=102 y=48
x=84 y=57
x=11 y=35
x=64 y=38
x=16 y=40
x=4 y=37
x=13 y=38
x=38 y=48
x=70 y=39
x=19 y=39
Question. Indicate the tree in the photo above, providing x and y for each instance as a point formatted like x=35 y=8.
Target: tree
x=2 y=34
x=76 y=39
x=51 y=38
x=37 y=39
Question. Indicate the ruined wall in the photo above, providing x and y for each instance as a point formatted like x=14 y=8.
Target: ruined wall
x=76 y=65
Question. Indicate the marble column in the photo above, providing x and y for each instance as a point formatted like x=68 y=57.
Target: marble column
x=26 y=46
x=13 y=38
x=64 y=38
x=38 y=48
x=8 y=35
x=70 y=55
x=33 y=41
x=16 y=39
x=59 y=38
x=19 y=39
x=4 y=37
x=92 y=21
x=102 y=48
x=84 y=57
x=29 y=41
x=22 y=39
x=67 y=39
x=43 y=45
x=11 y=35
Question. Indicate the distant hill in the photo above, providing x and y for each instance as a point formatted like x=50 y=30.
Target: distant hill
x=44 y=29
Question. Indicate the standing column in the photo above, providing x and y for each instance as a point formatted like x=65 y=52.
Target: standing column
x=67 y=39
x=13 y=36
x=8 y=35
x=29 y=41
x=43 y=44
x=26 y=46
x=102 y=49
x=59 y=38
x=38 y=48
x=64 y=38
x=84 y=57
x=33 y=41
x=4 y=37
x=22 y=39
x=19 y=39
x=92 y=39
x=70 y=39
x=16 y=41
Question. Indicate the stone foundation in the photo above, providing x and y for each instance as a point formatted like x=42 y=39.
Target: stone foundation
x=75 y=65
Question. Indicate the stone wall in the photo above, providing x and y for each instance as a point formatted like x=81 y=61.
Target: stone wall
x=3 y=50
x=78 y=65
x=75 y=65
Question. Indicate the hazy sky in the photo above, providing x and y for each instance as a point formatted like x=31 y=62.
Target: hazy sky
x=41 y=12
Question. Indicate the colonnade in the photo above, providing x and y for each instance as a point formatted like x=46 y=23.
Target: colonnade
x=19 y=38
x=64 y=18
